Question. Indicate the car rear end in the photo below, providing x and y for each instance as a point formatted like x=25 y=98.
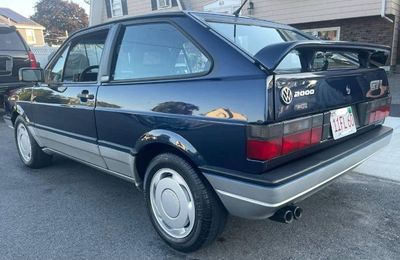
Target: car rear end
x=325 y=106
x=14 y=54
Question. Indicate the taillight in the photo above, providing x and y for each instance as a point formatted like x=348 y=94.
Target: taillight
x=375 y=111
x=32 y=60
x=379 y=114
x=268 y=142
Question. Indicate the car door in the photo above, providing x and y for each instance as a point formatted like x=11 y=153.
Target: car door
x=64 y=105
x=152 y=60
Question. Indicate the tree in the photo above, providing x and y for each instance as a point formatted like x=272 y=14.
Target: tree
x=60 y=19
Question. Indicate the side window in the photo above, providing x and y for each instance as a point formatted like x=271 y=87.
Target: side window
x=84 y=58
x=157 y=50
x=290 y=64
x=56 y=72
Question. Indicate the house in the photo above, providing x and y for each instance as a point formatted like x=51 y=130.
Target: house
x=31 y=31
x=372 y=21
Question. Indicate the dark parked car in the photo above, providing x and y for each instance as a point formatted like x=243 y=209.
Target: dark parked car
x=14 y=54
x=206 y=113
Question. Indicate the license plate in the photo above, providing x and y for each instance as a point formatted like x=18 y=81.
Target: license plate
x=342 y=122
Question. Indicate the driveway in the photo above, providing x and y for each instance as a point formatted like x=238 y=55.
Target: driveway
x=71 y=211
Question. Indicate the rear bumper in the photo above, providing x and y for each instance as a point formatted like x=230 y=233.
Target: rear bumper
x=260 y=197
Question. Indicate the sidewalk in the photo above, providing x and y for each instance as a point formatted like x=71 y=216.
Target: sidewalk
x=386 y=163
x=394 y=83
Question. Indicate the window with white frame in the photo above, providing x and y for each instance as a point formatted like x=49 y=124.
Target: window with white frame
x=161 y=4
x=30 y=36
x=116 y=8
x=330 y=33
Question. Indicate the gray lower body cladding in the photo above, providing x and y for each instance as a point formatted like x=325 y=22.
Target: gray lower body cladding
x=254 y=201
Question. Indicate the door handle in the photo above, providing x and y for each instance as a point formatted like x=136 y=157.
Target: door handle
x=85 y=96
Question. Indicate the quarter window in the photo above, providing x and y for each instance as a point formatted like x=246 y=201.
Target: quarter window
x=157 y=50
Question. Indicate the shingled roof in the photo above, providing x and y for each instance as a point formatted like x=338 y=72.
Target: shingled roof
x=16 y=18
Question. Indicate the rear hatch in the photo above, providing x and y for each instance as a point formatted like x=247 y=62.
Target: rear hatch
x=320 y=75
x=317 y=91
x=13 y=55
x=314 y=76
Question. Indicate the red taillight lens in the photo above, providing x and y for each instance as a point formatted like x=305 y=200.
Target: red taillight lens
x=295 y=142
x=264 y=150
x=379 y=114
x=32 y=60
x=283 y=138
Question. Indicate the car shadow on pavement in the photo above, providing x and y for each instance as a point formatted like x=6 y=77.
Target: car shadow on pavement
x=76 y=210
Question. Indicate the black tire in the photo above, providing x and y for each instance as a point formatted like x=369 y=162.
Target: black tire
x=38 y=158
x=210 y=214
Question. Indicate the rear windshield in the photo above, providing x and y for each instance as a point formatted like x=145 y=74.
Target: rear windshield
x=253 y=38
x=10 y=41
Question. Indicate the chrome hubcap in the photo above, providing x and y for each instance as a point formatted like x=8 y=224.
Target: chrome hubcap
x=172 y=203
x=24 y=143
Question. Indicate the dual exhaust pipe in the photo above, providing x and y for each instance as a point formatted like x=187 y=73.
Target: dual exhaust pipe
x=287 y=214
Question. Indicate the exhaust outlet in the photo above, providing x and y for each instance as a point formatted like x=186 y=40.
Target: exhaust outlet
x=297 y=211
x=284 y=215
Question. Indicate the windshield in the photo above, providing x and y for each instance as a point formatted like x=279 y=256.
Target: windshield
x=10 y=41
x=253 y=38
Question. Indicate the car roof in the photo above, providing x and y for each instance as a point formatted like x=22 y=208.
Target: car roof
x=220 y=17
x=132 y=18
x=195 y=15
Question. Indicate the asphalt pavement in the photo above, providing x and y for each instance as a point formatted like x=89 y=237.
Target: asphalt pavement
x=70 y=211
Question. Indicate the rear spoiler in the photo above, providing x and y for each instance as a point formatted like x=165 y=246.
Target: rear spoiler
x=370 y=55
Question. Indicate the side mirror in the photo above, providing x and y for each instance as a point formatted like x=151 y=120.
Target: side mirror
x=31 y=75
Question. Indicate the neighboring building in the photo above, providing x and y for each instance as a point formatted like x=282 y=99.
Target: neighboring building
x=31 y=31
x=373 y=21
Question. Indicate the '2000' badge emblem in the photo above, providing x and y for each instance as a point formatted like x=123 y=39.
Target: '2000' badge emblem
x=286 y=95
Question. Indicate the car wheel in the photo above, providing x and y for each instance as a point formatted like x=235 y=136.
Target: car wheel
x=183 y=208
x=29 y=151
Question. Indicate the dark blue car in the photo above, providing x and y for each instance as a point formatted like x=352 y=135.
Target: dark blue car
x=207 y=114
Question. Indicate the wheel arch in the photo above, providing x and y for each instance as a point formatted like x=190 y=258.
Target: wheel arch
x=157 y=142
x=18 y=111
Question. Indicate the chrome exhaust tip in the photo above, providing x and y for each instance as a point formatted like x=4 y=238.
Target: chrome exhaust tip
x=284 y=215
x=297 y=212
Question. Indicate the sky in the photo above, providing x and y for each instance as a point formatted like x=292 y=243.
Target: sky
x=26 y=7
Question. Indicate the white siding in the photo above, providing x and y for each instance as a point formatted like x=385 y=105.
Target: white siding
x=196 y=4
x=284 y=11
x=137 y=7
x=305 y=11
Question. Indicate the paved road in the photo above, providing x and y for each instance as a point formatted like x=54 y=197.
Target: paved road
x=71 y=211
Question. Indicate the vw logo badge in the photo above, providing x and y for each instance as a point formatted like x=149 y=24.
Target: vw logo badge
x=286 y=95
